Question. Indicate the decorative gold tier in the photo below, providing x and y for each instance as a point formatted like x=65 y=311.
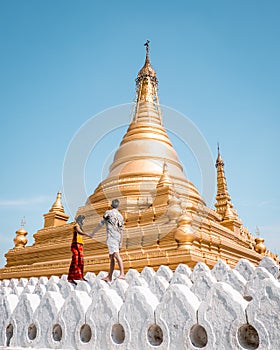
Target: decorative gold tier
x=153 y=245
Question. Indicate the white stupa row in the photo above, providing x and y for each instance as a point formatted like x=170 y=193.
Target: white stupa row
x=222 y=308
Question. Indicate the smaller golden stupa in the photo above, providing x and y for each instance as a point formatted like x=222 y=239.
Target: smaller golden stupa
x=166 y=220
x=20 y=240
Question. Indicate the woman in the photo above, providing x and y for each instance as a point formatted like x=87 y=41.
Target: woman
x=76 y=269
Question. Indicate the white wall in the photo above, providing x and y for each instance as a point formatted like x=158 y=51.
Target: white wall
x=222 y=308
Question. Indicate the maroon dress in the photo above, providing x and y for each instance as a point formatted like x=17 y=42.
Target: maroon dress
x=76 y=269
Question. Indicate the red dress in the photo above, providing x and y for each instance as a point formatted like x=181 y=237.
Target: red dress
x=76 y=269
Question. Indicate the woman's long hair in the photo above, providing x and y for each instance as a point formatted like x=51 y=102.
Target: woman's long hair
x=79 y=220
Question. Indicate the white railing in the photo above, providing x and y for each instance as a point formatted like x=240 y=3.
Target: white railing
x=222 y=308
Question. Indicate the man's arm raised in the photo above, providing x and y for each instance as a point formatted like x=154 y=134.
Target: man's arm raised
x=97 y=228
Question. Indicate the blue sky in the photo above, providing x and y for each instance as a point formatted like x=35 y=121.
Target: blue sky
x=62 y=62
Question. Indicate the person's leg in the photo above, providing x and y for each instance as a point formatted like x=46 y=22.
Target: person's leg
x=120 y=263
x=73 y=273
x=112 y=266
x=81 y=261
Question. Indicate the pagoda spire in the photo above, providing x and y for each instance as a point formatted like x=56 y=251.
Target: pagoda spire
x=146 y=159
x=223 y=205
x=146 y=82
x=164 y=179
x=56 y=215
x=57 y=205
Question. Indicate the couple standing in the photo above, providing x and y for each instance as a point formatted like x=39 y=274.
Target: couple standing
x=114 y=227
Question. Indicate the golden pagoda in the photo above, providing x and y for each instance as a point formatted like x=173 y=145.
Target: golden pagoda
x=166 y=219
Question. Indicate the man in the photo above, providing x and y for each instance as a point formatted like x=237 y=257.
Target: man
x=114 y=228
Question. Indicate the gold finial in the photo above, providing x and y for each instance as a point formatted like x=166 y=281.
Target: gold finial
x=23 y=222
x=147 y=60
x=147 y=69
x=219 y=160
x=20 y=240
x=57 y=205
x=259 y=245
x=146 y=81
x=147 y=47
